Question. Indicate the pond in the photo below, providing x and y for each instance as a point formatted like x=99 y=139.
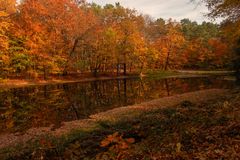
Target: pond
x=50 y=105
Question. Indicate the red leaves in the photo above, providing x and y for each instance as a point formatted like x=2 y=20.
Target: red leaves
x=117 y=140
x=117 y=146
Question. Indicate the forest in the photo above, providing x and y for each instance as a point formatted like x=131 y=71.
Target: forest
x=59 y=37
x=81 y=80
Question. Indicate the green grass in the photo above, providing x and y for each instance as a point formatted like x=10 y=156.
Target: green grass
x=158 y=74
x=214 y=72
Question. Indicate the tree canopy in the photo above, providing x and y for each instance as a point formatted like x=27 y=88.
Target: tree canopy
x=43 y=37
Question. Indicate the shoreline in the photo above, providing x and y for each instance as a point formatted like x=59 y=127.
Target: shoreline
x=18 y=83
x=91 y=124
x=27 y=83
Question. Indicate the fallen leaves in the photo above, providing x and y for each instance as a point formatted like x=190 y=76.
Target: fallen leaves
x=117 y=146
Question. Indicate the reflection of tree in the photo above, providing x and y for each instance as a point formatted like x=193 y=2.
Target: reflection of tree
x=122 y=85
x=45 y=92
x=118 y=88
x=167 y=87
x=24 y=108
x=125 y=90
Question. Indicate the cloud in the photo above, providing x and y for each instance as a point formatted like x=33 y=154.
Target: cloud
x=175 y=9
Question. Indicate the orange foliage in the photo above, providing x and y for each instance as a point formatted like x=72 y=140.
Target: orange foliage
x=117 y=146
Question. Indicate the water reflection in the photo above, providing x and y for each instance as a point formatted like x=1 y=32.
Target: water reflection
x=23 y=108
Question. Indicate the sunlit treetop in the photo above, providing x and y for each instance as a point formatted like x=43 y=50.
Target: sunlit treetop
x=8 y=6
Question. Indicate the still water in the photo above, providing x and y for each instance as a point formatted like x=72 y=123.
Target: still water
x=50 y=105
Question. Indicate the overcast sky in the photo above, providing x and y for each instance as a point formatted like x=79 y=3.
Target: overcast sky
x=175 y=9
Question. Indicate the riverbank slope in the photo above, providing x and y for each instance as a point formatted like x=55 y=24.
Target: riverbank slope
x=182 y=125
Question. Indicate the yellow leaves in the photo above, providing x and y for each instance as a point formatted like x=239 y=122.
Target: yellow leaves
x=5 y=23
x=9 y=6
x=10 y=124
x=164 y=50
x=3 y=14
x=154 y=53
x=3 y=42
x=178 y=147
x=4 y=60
x=170 y=46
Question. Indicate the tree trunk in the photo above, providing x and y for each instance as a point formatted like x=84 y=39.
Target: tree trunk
x=238 y=75
x=74 y=46
x=118 y=68
x=167 y=61
x=45 y=73
x=124 y=69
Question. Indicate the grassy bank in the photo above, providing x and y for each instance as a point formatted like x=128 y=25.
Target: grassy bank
x=199 y=72
x=185 y=127
x=159 y=74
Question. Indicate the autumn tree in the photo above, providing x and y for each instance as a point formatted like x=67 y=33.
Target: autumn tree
x=229 y=10
x=43 y=37
x=7 y=9
x=115 y=39
x=203 y=43
x=170 y=46
x=52 y=27
x=128 y=25
x=155 y=29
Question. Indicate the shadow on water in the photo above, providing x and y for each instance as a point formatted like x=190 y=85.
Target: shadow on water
x=238 y=78
x=39 y=106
